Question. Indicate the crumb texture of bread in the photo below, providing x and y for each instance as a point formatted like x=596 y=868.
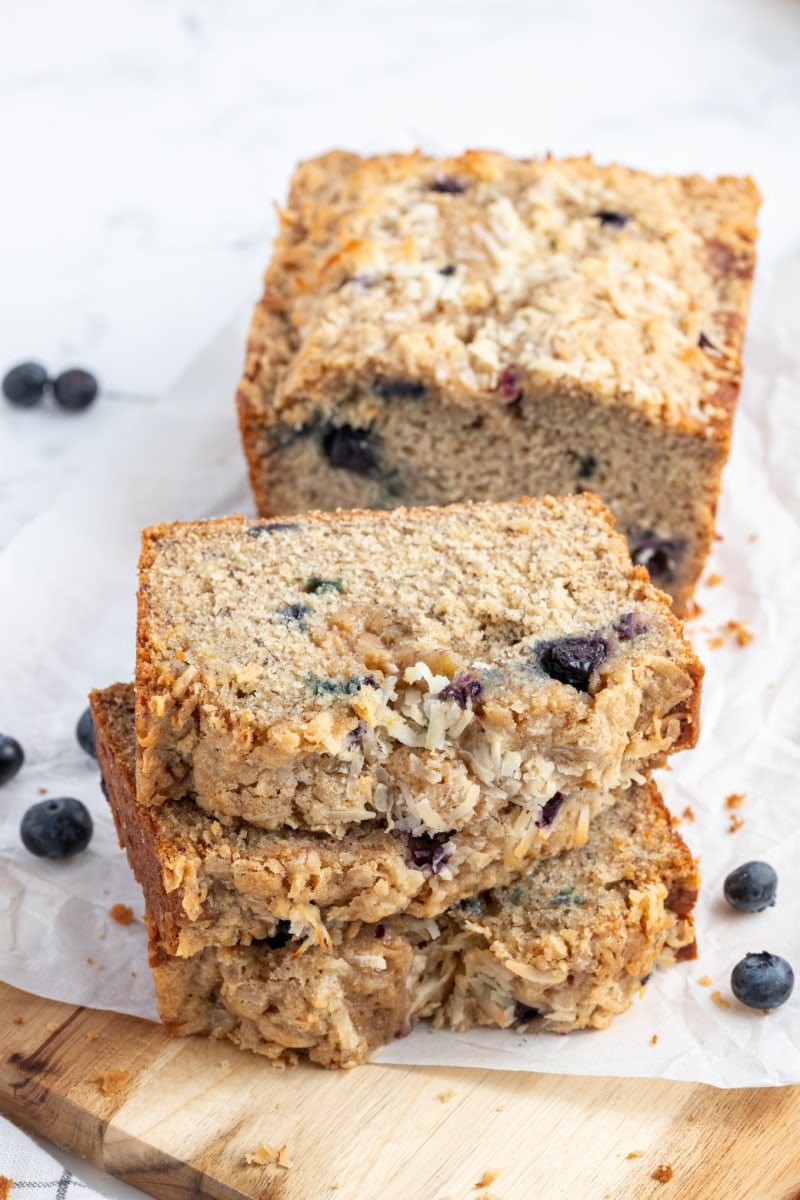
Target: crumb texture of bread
x=567 y=949
x=212 y=884
x=481 y=327
x=414 y=670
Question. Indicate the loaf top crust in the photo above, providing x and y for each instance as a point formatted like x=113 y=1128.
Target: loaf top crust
x=481 y=278
x=304 y=629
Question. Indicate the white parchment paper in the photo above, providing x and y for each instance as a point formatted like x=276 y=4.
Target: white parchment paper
x=67 y=624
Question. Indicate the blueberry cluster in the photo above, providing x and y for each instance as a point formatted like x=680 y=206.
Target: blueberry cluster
x=58 y=827
x=25 y=386
x=760 y=980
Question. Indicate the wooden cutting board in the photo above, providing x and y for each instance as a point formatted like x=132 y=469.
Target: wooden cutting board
x=179 y=1117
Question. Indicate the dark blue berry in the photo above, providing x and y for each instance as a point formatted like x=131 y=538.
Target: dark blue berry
x=316 y=585
x=706 y=344
x=281 y=936
x=320 y=686
x=12 y=757
x=56 y=828
x=447 y=269
x=463 y=689
x=549 y=811
x=85 y=733
x=269 y=527
x=350 y=449
x=751 y=887
x=380 y=931
x=448 y=185
x=75 y=389
x=24 y=385
x=587 y=466
x=762 y=980
x=525 y=1013
x=510 y=387
x=631 y=625
x=295 y=614
x=355 y=735
x=571 y=660
x=617 y=220
x=429 y=850
x=399 y=389
x=660 y=555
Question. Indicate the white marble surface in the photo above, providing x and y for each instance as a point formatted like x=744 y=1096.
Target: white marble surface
x=143 y=143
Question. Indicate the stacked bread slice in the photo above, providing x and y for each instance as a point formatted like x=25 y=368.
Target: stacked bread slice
x=391 y=765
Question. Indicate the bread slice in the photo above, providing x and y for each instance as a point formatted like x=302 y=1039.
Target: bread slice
x=483 y=327
x=568 y=949
x=414 y=670
x=565 y=948
x=212 y=885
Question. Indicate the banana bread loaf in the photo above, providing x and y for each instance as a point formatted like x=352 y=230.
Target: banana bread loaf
x=567 y=949
x=481 y=328
x=207 y=884
x=416 y=670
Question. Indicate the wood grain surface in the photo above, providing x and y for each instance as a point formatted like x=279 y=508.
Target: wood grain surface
x=178 y=1118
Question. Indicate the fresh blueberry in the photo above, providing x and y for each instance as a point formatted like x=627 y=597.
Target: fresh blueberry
x=571 y=660
x=380 y=931
x=350 y=449
x=510 y=387
x=617 y=220
x=24 y=385
x=447 y=269
x=448 y=185
x=12 y=757
x=762 y=980
x=355 y=735
x=660 y=555
x=56 y=828
x=399 y=389
x=85 y=733
x=75 y=389
x=549 y=811
x=429 y=850
x=462 y=690
x=751 y=887
x=525 y=1013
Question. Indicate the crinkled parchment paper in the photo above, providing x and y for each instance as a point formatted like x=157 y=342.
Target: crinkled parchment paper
x=67 y=614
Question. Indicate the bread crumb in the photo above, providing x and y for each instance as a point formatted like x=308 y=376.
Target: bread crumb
x=735 y=823
x=111 y=1083
x=92 y=1037
x=715 y=643
x=6 y=1185
x=42 y=791
x=335 y=1187
x=52 y=1026
x=268 y=1156
x=90 y=961
x=719 y=999
x=664 y=1173
x=714 y=579
x=635 y=1154
x=121 y=913
x=487 y=1177
x=654 y=1039
x=225 y=1063
x=693 y=609
x=688 y=814
x=446 y=1095
x=735 y=800
x=704 y=981
x=691 y=1117
x=19 y=1020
